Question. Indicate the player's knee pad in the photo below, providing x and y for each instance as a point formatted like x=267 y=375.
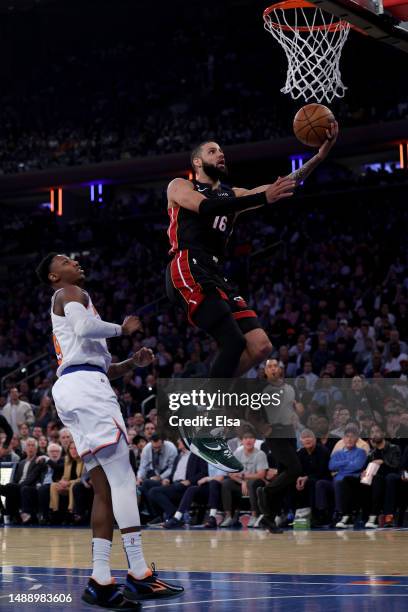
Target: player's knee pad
x=116 y=465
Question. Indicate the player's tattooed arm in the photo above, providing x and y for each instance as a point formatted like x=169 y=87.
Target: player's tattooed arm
x=302 y=173
x=140 y=359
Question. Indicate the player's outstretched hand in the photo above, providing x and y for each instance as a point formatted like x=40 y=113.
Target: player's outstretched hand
x=143 y=357
x=130 y=325
x=282 y=188
x=331 y=137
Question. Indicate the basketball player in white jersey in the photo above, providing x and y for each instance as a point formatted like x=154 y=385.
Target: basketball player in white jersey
x=87 y=405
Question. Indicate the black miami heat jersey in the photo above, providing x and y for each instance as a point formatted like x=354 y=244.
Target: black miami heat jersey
x=189 y=230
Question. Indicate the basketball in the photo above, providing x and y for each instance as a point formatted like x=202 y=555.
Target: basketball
x=310 y=124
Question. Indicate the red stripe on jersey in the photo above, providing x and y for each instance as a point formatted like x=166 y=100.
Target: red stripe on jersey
x=244 y=314
x=172 y=232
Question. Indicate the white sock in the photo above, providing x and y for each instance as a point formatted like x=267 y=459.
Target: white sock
x=213 y=512
x=132 y=543
x=101 y=550
x=178 y=515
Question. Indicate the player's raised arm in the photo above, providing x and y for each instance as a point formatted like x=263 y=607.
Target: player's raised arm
x=302 y=173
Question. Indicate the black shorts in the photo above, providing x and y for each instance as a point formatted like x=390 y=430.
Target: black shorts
x=192 y=276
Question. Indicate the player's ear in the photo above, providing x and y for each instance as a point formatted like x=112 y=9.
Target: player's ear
x=52 y=277
x=197 y=162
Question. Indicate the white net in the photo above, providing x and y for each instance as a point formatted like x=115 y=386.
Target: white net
x=312 y=40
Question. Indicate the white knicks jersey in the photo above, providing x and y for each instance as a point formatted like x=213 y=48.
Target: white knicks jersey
x=70 y=349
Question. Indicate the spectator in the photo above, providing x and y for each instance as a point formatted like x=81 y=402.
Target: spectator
x=42 y=445
x=45 y=412
x=156 y=463
x=24 y=434
x=17 y=412
x=138 y=444
x=15 y=446
x=342 y=420
x=149 y=430
x=245 y=483
x=65 y=439
x=314 y=459
x=73 y=470
x=37 y=432
x=52 y=469
x=138 y=423
x=6 y=454
x=392 y=367
x=321 y=431
x=377 y=497
x=348 y=461
x=309 y=375
x=26 y=475
x=207 y=491
x=187 y=470
x=326 y=393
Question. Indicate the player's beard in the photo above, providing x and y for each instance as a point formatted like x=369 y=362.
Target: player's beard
x=215 y=173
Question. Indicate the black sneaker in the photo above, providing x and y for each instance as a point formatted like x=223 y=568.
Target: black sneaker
x=211 y=523
x=173 y=523
x=269 y=524
x=150 y=587
x=216 y=452
x=107 y=596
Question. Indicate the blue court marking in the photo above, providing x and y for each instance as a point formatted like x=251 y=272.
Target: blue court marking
x=221 y=592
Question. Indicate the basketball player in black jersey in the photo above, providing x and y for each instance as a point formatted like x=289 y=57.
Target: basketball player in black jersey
x=202 y=215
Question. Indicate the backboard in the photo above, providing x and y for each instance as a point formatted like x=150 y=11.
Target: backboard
x=384 y=20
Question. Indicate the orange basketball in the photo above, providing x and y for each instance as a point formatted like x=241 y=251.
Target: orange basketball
x=311 y=122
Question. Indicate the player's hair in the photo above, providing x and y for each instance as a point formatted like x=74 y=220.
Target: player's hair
x=43 y=269
x=196 y=152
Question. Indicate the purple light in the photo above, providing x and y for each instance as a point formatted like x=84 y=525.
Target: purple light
x=92 y=193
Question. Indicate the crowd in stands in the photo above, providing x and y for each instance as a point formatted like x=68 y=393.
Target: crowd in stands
x=334 y=304
x=197 y=81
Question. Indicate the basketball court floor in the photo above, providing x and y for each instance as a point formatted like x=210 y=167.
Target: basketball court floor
x=222 y=571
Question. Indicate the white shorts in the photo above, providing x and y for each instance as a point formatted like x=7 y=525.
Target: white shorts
x=88 y=406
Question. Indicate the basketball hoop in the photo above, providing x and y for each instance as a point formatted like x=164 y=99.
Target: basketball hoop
x=313 y=41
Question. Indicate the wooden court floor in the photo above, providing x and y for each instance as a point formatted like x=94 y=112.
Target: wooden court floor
x=381 y=552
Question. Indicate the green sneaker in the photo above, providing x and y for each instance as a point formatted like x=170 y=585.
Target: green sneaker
x=216 y=451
